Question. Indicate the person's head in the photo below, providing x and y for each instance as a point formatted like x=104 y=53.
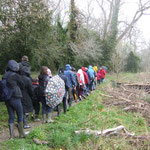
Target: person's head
x=68 y=67
x=25 y=58
x=83 y=69
x=73 y=69
x=43 y=70
x=12 y=65
x=49 y=72
x=90 y=67
x=61 y=71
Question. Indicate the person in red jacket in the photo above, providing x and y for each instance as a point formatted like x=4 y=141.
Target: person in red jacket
x=102 y=75
x=86 y=81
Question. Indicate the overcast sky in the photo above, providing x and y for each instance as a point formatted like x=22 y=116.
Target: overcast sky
x=128 y=9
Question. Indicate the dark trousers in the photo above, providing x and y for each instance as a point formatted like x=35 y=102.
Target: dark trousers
x=98 y=81
x=14 y=105
x=64 y=106
x=91 y=86
x=45 y=108
x=70 y=96
x=36 y=106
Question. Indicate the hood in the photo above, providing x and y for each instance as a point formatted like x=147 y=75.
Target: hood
x=13 y=65
x=25 y=63
x=90 y=67
x=95 y=68
x=80 y=71
x=104 y=67
x=83 y=68
x=68 y=67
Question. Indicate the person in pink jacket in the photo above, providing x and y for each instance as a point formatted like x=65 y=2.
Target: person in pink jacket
x=98 y=76
x=82 y=83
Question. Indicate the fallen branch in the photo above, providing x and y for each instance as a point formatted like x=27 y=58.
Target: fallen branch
x=37 y=141
x=105 y=95
x=128 y=135
x=99 y=132
x=112 y=131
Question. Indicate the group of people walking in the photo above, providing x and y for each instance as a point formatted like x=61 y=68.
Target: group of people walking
x=29 y=92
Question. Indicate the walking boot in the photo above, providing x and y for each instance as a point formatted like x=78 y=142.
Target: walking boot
x=44 y=118
x=58 y=110
x=21 y=130
x=25 y=122
x=36 y=119
x=70 y=102
x=11 y=130
x=49 y=119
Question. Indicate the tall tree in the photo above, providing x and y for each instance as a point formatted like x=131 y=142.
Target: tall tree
x=109 y=43
x=133 y=63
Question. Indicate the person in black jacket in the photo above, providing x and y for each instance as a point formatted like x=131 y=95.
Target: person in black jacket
x=14 y=104
x=25 y=64
x=27 y=92
x=36 y=100
x=65 y=79
x=43 y=80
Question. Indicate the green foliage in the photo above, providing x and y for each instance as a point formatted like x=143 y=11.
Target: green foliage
x=133 y=63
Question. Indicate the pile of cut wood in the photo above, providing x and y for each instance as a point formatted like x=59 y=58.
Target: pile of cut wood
x=130 y=97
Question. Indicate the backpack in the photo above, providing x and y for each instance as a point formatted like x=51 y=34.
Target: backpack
x=91 y=75
x=5 y=92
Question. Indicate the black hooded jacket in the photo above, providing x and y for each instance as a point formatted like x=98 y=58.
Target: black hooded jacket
x=27 y=90
x=25 y=64
x=13 y=78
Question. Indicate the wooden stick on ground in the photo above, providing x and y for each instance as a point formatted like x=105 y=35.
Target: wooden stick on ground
x=98 y=132
x=105 y=95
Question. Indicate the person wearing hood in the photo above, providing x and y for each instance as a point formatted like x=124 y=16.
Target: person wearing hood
x=43 y=81
x=90 y=74
x=102 y=74
x=98 y=76
x=27 y=93
x=25 y=63
x=71 y=82
x=75 y=90
x=82 y=83
x=86 y=81
x=95 y=77
x=14 y=82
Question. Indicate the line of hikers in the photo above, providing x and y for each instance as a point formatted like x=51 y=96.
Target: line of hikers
x=28 y=93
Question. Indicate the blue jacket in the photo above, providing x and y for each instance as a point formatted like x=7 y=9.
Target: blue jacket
x=90 y=73
x=70 y=76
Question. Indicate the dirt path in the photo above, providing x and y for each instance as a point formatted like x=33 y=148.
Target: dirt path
x=4 y=134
